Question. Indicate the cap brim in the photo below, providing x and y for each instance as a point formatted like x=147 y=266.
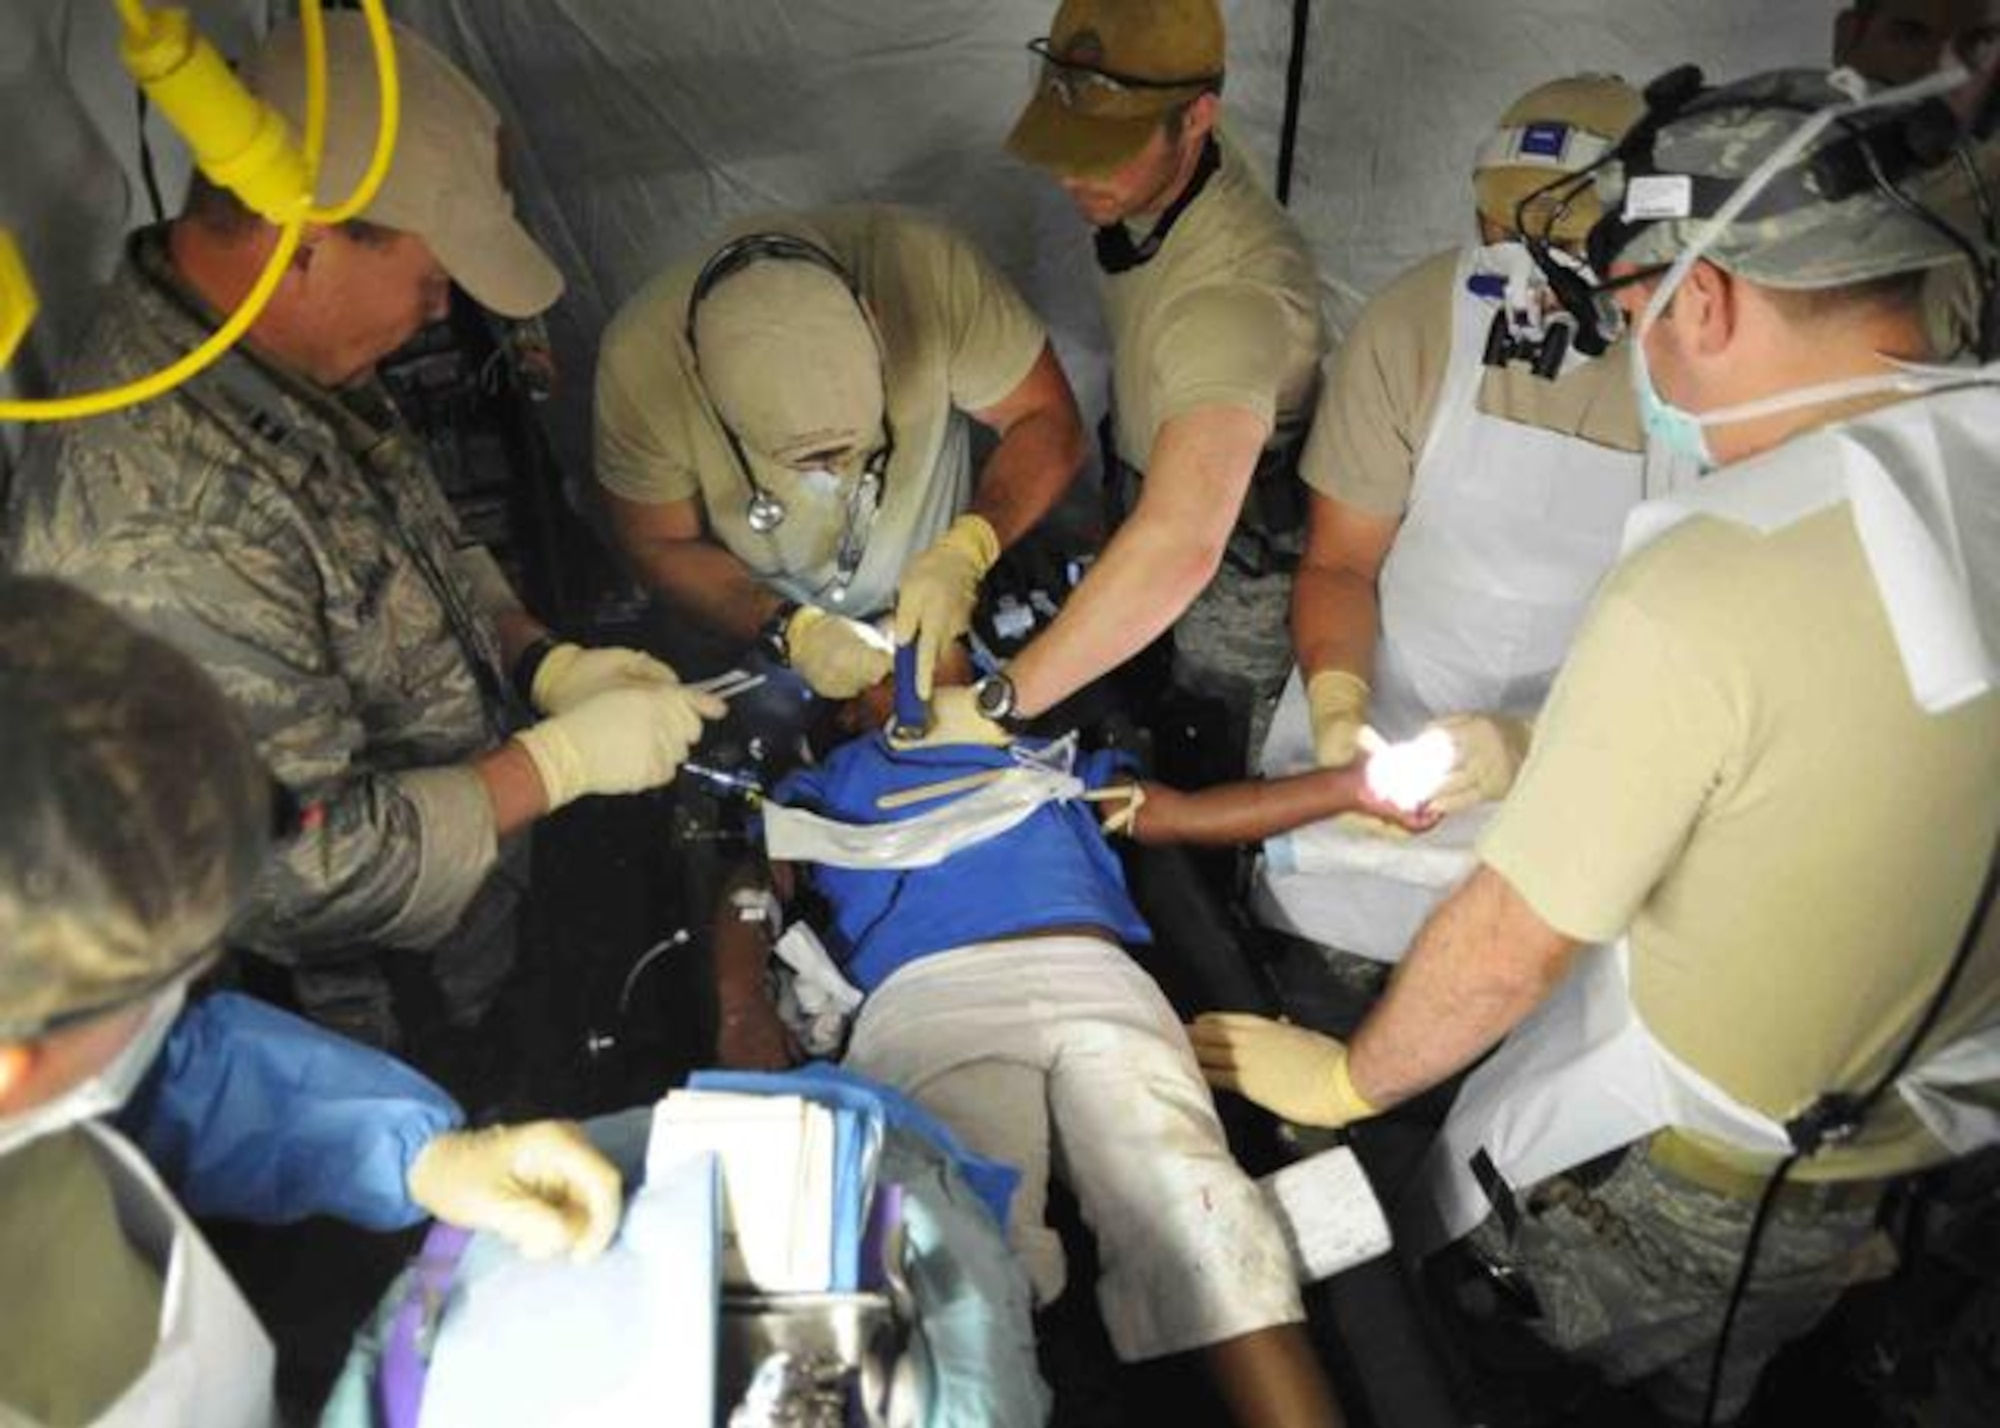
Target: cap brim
x=1050 y=135
x=493 y=258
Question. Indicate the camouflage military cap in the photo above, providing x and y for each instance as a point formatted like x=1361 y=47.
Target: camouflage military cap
x=134 y=810
x=1795 y=233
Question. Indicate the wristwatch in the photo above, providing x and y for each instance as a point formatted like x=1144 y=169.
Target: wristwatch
x=993 y=700
x=530 y=664
x=771 y=634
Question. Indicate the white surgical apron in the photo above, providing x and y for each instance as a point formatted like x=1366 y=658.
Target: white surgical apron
x=213 y=1363
x=1583 y=1075
x=1508 y=530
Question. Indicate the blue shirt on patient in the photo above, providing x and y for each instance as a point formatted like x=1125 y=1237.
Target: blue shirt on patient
x=1054 y=869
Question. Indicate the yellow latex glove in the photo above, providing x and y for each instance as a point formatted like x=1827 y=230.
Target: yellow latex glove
x=954 y=720
x=1491 y=749
x=1296 y=1074
x=542 y=1187
x=940 y=589
x=837 y=656
x=621 y=740
x=570 y=674
x=1338 y=701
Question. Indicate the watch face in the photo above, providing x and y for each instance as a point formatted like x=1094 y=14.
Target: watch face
x=993 y=697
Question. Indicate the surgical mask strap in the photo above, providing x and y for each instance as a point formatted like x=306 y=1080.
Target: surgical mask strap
x=1909 y=378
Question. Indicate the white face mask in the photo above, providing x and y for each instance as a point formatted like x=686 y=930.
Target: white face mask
x=106 y=1090
x=1683 y=430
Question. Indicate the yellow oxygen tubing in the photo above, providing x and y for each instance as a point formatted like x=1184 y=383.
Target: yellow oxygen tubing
x=241 y=143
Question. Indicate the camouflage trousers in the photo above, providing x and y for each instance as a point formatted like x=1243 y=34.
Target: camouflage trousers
x=1234 y=645
x=1633 y=1276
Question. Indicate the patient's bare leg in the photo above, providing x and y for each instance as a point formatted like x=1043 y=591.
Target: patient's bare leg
x=1271 y=1378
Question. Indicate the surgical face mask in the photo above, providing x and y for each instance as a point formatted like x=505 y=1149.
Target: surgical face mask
x=1683 y=431
x=104 y=1091
x=1673 y=429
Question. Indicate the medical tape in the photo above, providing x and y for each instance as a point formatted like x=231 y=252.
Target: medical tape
x=1001 y=803
x=1130 y=796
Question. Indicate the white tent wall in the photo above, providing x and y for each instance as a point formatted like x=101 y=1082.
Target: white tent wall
x=647 y=125
x=1399 y=94
x=644 y=125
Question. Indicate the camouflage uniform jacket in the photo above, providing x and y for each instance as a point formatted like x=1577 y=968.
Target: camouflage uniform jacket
x=296 y=544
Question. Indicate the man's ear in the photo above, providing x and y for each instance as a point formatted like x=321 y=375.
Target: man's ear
x=17 y=1061
x=1202 y=113
x=1708 y=309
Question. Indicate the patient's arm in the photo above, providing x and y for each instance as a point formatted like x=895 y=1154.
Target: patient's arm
x=1255 y=809
x=749 y=1036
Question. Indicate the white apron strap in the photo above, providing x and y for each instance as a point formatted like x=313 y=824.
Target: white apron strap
x=1963 y=1125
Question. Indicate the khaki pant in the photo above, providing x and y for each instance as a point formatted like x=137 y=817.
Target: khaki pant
x=1060 y=1053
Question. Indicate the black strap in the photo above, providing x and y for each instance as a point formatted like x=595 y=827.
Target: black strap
x=530 y=664
x=1498 y=1192
x=1295 y=82
x=1116 y=250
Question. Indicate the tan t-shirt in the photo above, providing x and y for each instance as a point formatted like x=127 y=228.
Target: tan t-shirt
x=83 y=1306
x=1732 y=766
x=1226 y=314
x=956 y=337
x=1381 y=394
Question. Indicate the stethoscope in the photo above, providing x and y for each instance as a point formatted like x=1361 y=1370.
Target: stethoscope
x=764 y=512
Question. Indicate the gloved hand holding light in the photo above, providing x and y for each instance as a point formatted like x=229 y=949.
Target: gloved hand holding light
x=1410 y=773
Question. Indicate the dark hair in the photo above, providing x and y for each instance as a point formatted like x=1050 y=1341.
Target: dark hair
x=135 y=813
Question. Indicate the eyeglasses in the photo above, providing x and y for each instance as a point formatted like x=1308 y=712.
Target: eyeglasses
x=1071 y=79
x=1590 y=299
x=1604 y=306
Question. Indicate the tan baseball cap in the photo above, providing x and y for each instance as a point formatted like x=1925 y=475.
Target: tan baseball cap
x=1558 y=128
x=1111 y=70
x=790 y=360
x=445 y=183
x=135 y=817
